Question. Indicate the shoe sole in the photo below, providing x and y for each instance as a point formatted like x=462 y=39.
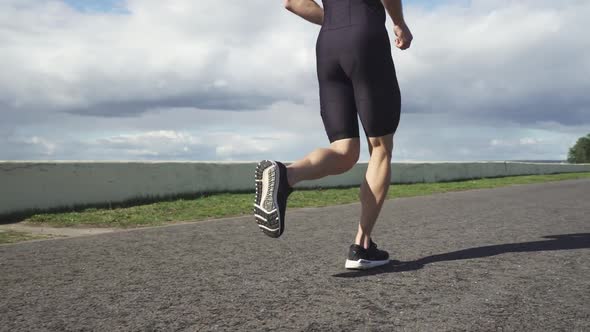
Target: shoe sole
x=363 y=264
x=266 y=208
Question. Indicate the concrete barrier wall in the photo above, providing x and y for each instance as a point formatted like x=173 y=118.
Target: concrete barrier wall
x=28 y=185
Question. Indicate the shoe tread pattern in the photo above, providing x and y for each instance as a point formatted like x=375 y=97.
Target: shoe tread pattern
x=266 y=213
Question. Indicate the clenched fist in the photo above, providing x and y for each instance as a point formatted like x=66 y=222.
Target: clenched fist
x=403 y=36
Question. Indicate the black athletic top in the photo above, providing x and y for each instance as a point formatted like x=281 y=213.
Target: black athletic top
x=355 y=70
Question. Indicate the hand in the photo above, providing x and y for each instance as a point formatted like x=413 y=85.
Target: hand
x=404 y=36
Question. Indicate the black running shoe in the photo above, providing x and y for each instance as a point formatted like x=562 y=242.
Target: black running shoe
x=360 y=258
x=272 y=191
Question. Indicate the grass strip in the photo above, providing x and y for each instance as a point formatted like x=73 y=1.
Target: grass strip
x=220 y=205
x=10 y=236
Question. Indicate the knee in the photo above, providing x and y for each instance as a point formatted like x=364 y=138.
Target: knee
x=382 y=151
x=350 y=157
x=349 y=152
x=289 y=4
x=381 y=145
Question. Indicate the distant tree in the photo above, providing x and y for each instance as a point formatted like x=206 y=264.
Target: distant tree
x=580 y=152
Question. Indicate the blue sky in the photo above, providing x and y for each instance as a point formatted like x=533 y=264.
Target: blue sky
x=209 y=80
x=107 y=6
x=119 y=5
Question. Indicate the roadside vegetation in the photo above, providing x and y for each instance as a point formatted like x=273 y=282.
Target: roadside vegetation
x=220 y=205
x=580 y=152
x=10 y=236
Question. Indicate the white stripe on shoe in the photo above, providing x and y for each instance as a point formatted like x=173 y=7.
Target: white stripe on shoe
x=261 y=208
x=260 y=217
x=363 y=264
x=268 y=229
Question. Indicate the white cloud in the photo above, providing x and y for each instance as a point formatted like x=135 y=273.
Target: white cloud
x=162 y=50
x=495 y=61
x=220 y=80
x=47 y=147
x=164 y=137
x=530 y=141
x=517 y=142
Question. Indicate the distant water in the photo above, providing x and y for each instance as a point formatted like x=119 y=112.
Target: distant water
x=527 y=161
x=482 y=160
x=541 y=161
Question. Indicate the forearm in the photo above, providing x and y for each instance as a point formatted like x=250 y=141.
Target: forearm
x=307 y=9
x=394 y=8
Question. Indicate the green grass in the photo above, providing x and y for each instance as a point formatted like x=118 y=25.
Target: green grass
x=10 y=236
x=235 y=204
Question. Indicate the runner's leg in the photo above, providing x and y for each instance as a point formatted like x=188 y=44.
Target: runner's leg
x=375 y=186
x=340 y=157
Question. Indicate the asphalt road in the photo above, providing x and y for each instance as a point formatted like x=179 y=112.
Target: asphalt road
x=507 y=259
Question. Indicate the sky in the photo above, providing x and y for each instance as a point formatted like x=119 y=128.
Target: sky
x=199 y=80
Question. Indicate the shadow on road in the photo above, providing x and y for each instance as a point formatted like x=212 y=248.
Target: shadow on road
x=556 y=242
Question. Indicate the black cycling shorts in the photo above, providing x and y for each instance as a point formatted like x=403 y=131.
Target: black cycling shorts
x=355 y=70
